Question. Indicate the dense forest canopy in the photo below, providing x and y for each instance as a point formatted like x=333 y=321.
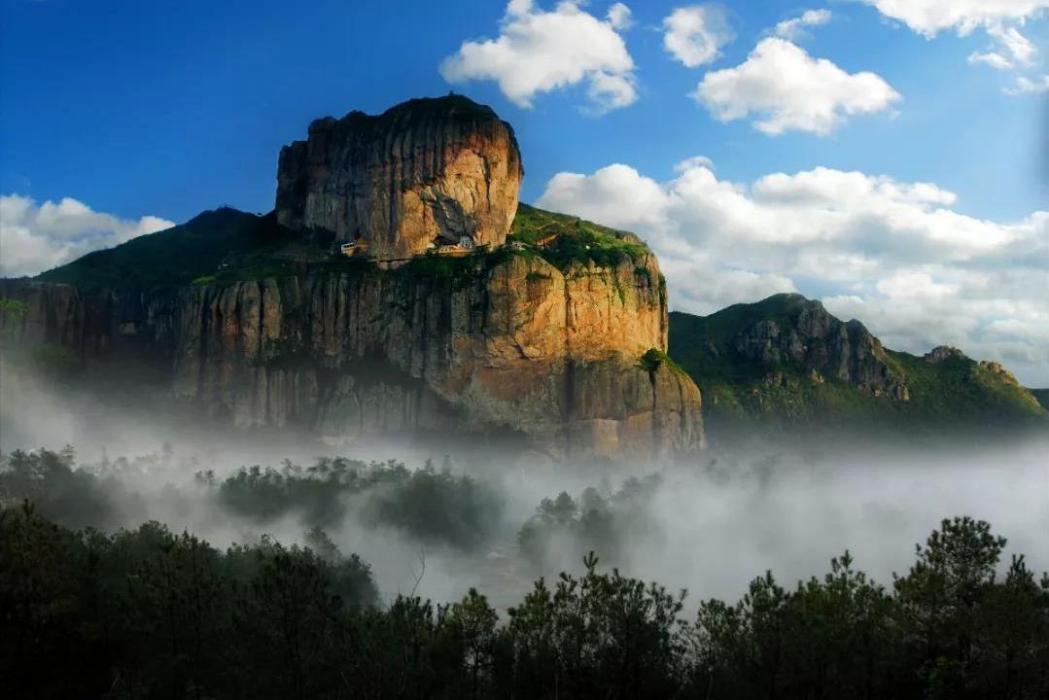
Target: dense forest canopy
x=151 y=613
x=147 y=612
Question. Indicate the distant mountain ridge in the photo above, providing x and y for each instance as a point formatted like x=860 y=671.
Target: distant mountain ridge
x=786 y=362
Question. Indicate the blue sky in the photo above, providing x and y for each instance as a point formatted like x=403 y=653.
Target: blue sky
x=166 y=108
x=170 y=107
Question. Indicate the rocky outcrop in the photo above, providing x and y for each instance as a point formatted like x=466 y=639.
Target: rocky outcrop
x=109 y=326
x=508 y=345
x=423 y=172
x=807 y=336
x=943 y=353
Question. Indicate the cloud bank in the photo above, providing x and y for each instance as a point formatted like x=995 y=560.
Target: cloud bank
x=36 y=237
x=896 y=255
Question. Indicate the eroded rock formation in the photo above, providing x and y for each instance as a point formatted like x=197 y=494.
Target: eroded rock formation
x=427 y=170
x=811 y=337
x=518 y=347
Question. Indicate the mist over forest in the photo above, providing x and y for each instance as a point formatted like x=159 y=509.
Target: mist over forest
x=440 y=522
x=530 y=349
x=163 y=558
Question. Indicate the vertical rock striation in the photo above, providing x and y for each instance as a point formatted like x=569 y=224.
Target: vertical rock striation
x=425 y=171
x=507 y=347
x=519 y=347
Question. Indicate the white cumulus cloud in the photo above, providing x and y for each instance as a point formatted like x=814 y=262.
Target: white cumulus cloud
x=894 y=254
x=786 y=89
x=793 y=29
x=999 y=18
x=540 y=51
x=620 y=16
x=695 y=34
x=36 y=237
x=930 y=17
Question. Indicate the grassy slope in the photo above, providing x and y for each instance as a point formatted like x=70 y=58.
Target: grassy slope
x=177 y=255
x=577 y=240
x=958 y=390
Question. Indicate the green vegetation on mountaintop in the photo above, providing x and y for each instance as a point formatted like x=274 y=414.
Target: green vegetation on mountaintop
x=654 y=358
x=575 y=240
x=559 y=239
x=416 y=113
x=742 y=391
x=178 y=255
x=703 y=344
x=225 y=246
x=957 y=387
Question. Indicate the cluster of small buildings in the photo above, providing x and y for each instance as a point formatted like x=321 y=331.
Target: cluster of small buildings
x=465 y=246
x=355 y=247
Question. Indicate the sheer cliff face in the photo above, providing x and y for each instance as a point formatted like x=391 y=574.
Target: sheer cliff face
x=426 y=171
x=514 y=347
x=518 y=347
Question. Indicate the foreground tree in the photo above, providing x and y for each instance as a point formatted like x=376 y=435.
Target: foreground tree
x=146 y=613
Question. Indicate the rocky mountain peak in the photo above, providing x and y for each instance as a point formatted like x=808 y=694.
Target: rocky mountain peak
x=785 y=362
x=943 y=353
x=424 y=173
x=789 y=331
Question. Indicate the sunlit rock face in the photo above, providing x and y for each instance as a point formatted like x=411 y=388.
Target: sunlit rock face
x=425 y=172
x=519 y=347
x=516 y=346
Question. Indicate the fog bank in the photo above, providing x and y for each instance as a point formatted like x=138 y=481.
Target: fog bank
x=709 y=525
